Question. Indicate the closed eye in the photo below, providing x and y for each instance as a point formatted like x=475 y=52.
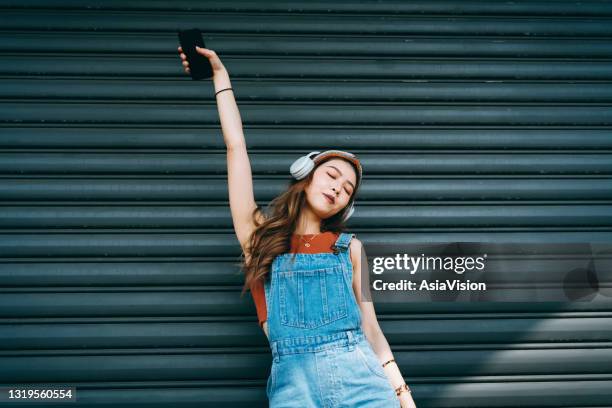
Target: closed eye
x=331 y=175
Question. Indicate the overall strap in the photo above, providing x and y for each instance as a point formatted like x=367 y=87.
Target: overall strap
x=342 y=243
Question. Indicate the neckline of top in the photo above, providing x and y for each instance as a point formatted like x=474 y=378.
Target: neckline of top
x=318 y=233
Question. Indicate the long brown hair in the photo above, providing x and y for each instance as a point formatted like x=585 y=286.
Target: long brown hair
x=272 y=237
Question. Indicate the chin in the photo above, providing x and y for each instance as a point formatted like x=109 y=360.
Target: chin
x=319 y=209
x=323 y=214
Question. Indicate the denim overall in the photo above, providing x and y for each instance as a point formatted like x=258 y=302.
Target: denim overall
x=321 y=357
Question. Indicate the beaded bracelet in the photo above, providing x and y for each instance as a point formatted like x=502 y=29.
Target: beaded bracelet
x=402 y=388
x=223 y=90
x=387 y=362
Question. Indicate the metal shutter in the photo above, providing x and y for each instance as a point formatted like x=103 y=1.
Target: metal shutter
x=474 y=120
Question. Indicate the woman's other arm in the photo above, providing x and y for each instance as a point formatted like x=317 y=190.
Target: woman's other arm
x=369 y=322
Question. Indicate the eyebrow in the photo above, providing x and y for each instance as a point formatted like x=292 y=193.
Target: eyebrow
x=348 y=181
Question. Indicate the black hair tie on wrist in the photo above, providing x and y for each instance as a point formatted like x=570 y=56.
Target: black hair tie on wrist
x=222 y=91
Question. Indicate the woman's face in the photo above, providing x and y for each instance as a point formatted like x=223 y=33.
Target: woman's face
x=335 y=178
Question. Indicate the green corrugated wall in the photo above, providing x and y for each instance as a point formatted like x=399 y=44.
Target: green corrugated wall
x=475 y=121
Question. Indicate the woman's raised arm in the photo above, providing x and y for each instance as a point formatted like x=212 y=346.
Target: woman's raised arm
x=240 y=179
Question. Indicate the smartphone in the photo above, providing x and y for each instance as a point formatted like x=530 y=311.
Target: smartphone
x=199 y=66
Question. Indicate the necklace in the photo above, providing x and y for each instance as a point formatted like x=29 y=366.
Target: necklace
x=307 y=243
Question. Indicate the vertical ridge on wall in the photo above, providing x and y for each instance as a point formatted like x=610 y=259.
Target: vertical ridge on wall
x=475 y=121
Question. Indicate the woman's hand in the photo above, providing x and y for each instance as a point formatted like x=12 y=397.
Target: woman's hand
x=214 y=60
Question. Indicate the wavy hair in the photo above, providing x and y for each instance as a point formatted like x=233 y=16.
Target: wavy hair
x=272 y=236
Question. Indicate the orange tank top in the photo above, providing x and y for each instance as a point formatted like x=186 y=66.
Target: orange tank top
x=321 y=243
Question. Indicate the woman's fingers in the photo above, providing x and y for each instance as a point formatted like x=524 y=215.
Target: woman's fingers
x=184 y=58
x=199 y=50
x=208 y=53
x=212 y=56
x=205 y=51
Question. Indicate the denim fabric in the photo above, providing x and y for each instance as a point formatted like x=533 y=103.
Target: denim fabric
x=321 y=357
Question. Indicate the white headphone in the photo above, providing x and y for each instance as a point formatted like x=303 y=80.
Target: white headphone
x=302 y=166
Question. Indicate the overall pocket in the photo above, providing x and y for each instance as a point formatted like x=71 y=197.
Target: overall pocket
x=312 y=298
x=368 y=357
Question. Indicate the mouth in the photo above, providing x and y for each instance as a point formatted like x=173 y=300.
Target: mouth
x=329 y=198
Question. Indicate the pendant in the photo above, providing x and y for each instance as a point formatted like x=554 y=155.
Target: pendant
x=307 y=245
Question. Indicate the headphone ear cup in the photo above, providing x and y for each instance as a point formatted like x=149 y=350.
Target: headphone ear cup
x=302 y=166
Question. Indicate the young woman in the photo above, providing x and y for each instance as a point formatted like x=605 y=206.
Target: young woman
x=304 y=273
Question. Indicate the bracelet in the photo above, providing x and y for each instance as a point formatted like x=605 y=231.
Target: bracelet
x=387 y=362
x=223 y=90
x=402 y=388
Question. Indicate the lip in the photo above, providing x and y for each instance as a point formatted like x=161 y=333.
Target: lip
x=329 y=198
